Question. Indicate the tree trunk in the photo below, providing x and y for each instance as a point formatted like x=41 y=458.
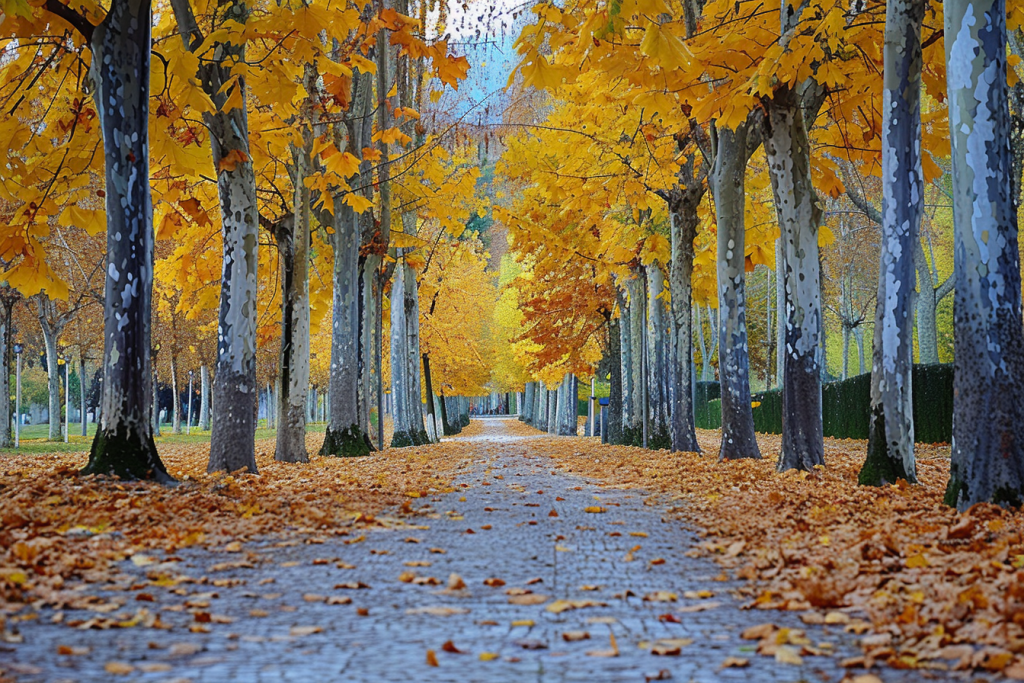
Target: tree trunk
x=52 y=368
x=880 y=466
x=780 y=308
x=292 y=236
x=346 y=435
x=412 y=322
x=789 y=163
x=121 y=47
x=858 y=335
x=553 y=410
x=6 y=439
x=527 y=412
x=176 y=398
x=713 y=321
x=232 y=441
x=902 y=197
x=432 y=426
x=204 y=400
x=81 y=395
x=615 y=398
x=659 y=434
x=987 y=463
x=347 y=423
x=632 y=423
x=738 y=438
x=156 y=401
x=405 y=434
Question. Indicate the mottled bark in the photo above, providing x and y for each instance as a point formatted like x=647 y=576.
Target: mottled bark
x=405 y=433
x=626 y=366
x=738 y=439
x=6 y=310
x=346 y=423
x=553 y=396
x=658 y=376
x=902 y=198
x=780 y=308
x=232 y=441
x=121 y=48
x=880 y=467
x=292 y=235
x=432 y=425
x=204 y=398
x=987 y=462
x=50 y=332
x=789 y=164
x=156 y=400
x=615 y=399
x=633 y=419
x=175 y=397
x=83 y=413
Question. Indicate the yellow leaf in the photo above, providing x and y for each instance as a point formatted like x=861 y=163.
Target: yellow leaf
x=358 y=202
x=664 y=47
x=917 y=561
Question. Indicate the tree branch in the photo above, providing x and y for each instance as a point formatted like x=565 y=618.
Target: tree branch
x=77 y=21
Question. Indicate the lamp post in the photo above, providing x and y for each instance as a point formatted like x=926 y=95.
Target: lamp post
x=17 y=396
x=188 y=425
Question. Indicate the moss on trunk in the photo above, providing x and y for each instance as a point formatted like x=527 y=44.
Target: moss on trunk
x=880 y=469
x=127 y=456
x=351 y=442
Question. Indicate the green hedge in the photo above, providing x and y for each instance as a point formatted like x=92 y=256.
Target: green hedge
x=706 y=415
x=846 y=404
x=845 y=407
x=933 y=403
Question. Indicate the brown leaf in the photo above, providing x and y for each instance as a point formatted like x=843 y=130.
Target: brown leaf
x=431 y=658
x=449 y=646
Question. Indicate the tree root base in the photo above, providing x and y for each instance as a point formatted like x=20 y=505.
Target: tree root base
x=126 y=456
x=350 y=442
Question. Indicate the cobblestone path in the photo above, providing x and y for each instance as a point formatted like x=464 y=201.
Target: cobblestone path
x=338 y=611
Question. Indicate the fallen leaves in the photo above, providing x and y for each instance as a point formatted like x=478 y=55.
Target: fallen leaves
x=437 y=610
x=449 y=646
x=118 y=668
x=528 y=599
x=559 y=606
x=54 y=509
x=670 y=646
x=300 y=631
x=734 y=663
x=573 y=636
x=661 y=596
x=820 y=544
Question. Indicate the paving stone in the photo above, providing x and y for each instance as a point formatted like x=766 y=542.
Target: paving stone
x=524 y=542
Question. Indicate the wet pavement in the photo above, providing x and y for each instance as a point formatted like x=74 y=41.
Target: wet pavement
x=563 y=581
